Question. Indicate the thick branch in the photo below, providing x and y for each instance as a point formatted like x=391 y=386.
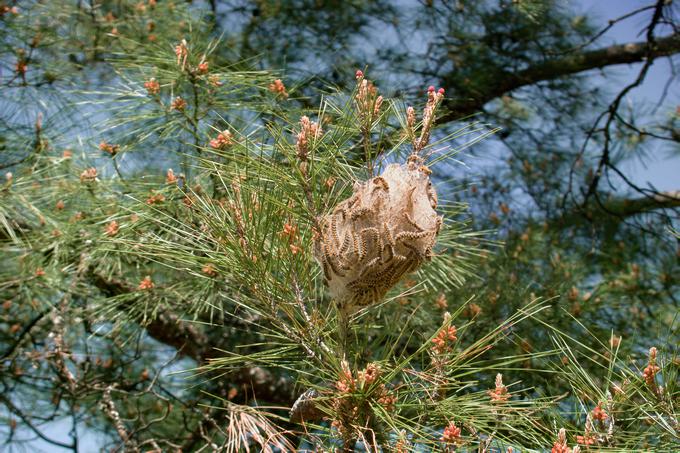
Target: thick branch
x=634 y=206
x=624 y=207
x=191 y=342
x=505 y=81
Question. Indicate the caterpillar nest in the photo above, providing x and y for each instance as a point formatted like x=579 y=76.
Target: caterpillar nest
x=383 y=231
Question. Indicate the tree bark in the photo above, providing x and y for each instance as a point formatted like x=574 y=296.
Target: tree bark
x=506 y=81
x=191 y=342
x=621 y=207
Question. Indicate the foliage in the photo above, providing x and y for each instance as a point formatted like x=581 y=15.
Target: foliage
x=163 y=193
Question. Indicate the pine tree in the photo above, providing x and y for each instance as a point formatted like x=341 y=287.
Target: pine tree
x=198 y=255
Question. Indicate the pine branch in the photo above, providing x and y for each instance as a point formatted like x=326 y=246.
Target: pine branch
x=505 y=81
x=190 y=342
x=26 y=419
x=626 y=207
x=622 y=207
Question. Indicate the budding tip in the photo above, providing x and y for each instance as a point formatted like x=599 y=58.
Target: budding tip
x=430 y=89
x=359 y=74
x=441 y=91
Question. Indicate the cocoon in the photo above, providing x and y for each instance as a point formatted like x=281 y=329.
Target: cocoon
x=383 y=231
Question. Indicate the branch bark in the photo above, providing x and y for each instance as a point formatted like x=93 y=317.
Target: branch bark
x=627 y=207
x=623 y=207
x=191 y=342
x=506 y=81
